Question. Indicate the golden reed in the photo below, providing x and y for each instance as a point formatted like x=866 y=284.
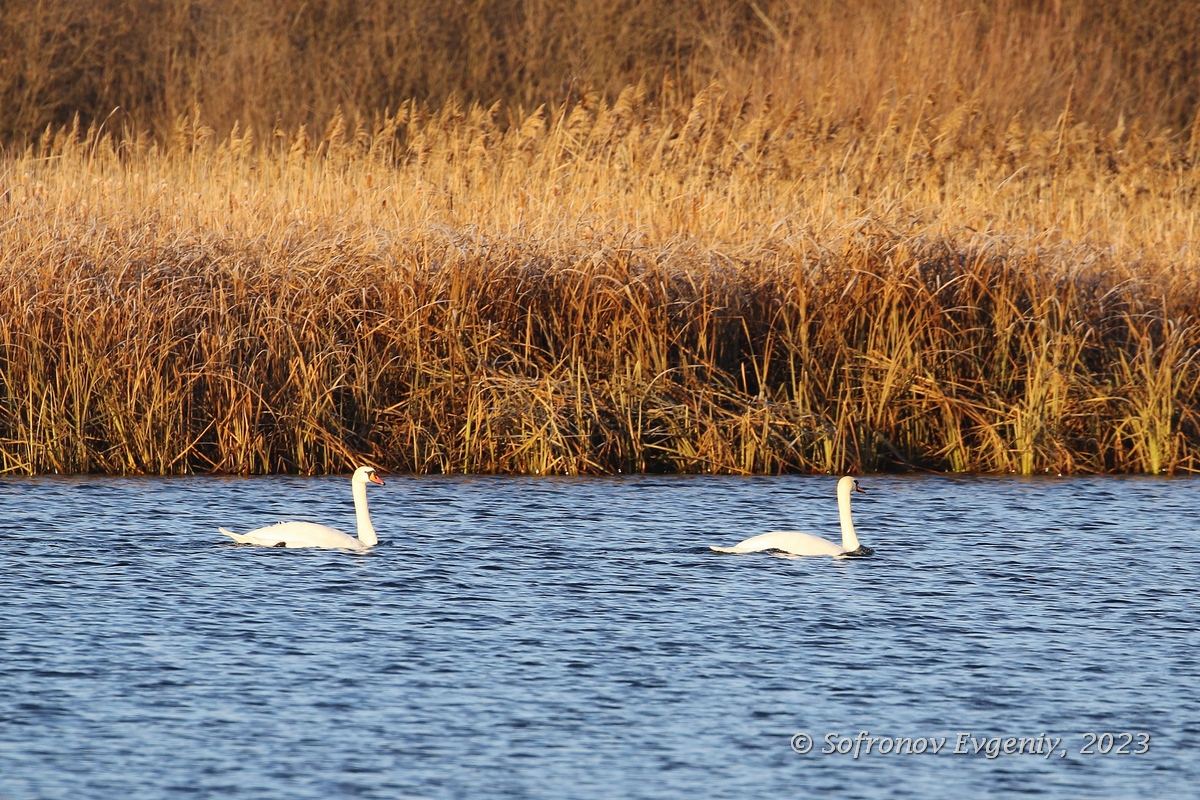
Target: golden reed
x=711 y=280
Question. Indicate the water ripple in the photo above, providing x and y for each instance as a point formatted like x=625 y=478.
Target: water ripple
x=560 y=637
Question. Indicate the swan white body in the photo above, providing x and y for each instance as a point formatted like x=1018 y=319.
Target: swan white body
x=310 y=534
x=805 y=544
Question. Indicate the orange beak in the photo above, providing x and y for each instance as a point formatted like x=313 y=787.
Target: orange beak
x=376 y=479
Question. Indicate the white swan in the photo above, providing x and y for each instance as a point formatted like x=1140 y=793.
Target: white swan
x=805 y=544
x=310 y=534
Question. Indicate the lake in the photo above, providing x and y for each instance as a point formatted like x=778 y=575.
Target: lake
x=554 y=638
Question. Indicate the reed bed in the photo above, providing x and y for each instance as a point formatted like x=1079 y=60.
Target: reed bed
x=718 y=284
x=291 y=62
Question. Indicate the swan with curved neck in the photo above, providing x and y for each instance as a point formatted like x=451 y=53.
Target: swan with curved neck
x=805 y=544
x=310 y=534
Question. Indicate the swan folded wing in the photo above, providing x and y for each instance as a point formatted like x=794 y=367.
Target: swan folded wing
x=270 y=536
x=794 y=542
x=297 y=534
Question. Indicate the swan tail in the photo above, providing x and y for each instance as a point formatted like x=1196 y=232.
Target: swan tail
x=755 y=544
x=237 y=537
x=734 y=549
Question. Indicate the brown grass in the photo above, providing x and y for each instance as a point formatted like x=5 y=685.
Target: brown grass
x=604 y=288
x=284 y=63
x=988 y=266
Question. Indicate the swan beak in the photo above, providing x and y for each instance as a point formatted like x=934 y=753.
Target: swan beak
x=376 y=479
x=859 y=489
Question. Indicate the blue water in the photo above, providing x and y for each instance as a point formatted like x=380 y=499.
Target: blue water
x=554 y=638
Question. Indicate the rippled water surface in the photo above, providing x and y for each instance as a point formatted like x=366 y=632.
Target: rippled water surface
x=559 y=638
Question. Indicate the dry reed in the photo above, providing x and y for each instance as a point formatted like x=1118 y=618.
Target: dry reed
x=718 y=284
x=291 y=62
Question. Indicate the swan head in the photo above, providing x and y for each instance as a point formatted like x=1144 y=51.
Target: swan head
x=365 y=475
x=849 y=484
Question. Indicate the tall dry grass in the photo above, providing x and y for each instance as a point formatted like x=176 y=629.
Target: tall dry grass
x=719 y=283
x=291 y=62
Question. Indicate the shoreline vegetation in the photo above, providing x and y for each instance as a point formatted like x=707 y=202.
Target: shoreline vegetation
x=668 y=275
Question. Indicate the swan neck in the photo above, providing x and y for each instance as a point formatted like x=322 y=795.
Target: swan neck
x=849 y=537
x=366 y=531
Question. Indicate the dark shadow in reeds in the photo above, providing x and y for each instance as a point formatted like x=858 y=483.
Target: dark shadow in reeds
x=500 y=358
